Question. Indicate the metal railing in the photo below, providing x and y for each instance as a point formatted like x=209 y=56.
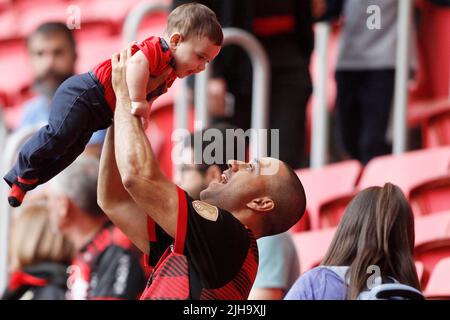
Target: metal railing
x=401 y=77
x=319 y=126
x=9 y=154
x=137 y=15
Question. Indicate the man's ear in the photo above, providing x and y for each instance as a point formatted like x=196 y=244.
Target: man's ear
x=263 y=204
x=213 y=173
x=175 y=40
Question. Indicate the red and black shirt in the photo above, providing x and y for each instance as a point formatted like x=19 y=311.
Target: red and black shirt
x=208 y=259
x=159 y=57
x=109 y=267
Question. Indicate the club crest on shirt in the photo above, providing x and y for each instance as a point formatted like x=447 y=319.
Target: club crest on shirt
x=206 y=210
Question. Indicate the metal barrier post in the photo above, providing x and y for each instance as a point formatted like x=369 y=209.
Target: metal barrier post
x=319 y=127
x=401 y=77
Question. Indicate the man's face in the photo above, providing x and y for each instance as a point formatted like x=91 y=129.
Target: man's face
x=191 y=55
x=241 y=183
x=52 y=60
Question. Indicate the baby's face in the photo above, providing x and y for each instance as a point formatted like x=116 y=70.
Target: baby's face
x=192 y=55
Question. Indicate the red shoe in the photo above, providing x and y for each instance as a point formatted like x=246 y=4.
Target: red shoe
x=16 y=195
x=19 y=189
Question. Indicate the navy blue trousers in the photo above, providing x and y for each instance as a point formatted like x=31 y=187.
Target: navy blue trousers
x=78 y=109
x=363 y=105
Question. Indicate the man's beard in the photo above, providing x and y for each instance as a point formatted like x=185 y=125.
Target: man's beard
x=49 y=82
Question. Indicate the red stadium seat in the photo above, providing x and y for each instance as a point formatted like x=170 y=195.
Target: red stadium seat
x=15 y=69
x=438 y=286
x=431 y=196
x=304 y=224
x=434 y=51
x=324 y=185
x=436 y=129
x=430 y=253
x=420 y=273
x=31 y=14
x=8 y=24
x=408 y=170
x=312 y=246
x=432 y=227
x=93 y=51
x=114 y=10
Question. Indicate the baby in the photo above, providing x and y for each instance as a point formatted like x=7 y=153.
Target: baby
x=85 y=103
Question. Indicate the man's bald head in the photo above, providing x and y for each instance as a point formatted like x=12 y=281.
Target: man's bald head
x=289 y=197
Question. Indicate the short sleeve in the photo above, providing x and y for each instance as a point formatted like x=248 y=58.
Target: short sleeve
x=157 y=53
x=278 y=262
x=215 y=248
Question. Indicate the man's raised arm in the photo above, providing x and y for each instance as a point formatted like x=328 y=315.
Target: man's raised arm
x=139 y=170
x=115 y=200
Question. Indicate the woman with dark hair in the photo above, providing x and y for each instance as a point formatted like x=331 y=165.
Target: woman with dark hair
x=376 y=233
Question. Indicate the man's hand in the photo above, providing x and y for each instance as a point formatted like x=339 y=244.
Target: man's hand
x=119 y=68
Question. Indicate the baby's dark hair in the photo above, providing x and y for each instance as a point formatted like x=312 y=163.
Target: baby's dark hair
x=194 y=19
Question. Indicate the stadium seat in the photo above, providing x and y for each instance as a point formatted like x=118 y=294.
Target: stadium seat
x=436 y=129
x=431 y=196
x=116 y=11
x=438 y=286
x=31 y=14
x=408 y=170
x=8 y=26
x=324 y=185
x=96 y=29
x=93 y=51
x=433 y=51
x=312 y=246
x=14 y=64
x=422 y=109
x=420 y=272
x=304 y=224
x=431 y=252
x=152 y=26
x=432 y=227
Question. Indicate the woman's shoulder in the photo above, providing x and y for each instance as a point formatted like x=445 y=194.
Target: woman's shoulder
x=320 y=283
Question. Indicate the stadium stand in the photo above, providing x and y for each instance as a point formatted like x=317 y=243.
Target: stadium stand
x=431 y=253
